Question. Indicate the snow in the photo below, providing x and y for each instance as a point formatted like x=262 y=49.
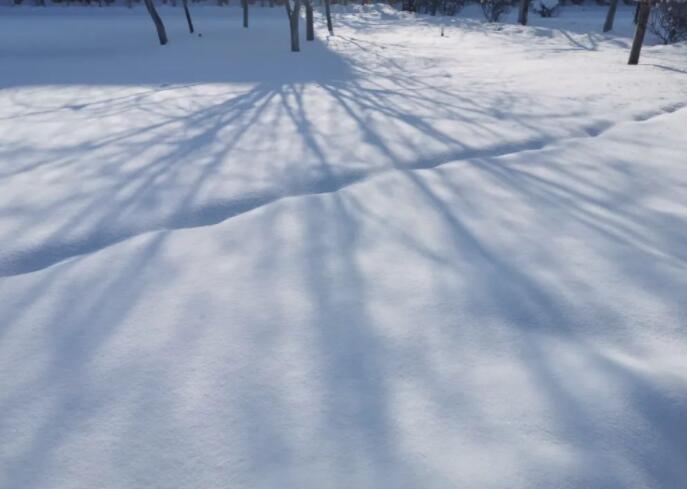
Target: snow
x=394 y=259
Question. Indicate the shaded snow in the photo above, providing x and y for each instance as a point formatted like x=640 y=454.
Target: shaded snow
x=393 y=260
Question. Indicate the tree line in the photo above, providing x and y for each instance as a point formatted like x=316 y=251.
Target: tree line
x=666 y=19
x=293 y=13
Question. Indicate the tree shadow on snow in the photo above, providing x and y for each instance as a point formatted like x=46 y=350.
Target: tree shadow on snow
x=350 y=368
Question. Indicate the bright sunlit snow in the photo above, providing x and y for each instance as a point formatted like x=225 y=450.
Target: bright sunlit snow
x=392 y=260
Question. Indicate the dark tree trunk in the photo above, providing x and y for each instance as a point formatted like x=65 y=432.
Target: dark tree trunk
x=610 y=17
x=188 y=16
x=642 y=20
x=245 y=12
x=435 y=5
x=524 y=10
x=309 y=21
x=637 y=8
x=328 y=14
x=161 y=33
x=293 y=15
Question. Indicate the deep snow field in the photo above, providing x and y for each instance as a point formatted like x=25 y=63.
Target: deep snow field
x=393 y=260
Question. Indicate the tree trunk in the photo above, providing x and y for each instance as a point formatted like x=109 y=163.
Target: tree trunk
x=293 y=15
x=245 y=12
x=610 y=17
x=524 y=10
x=637 y=8
x=161 y=33
x=328 y=14
x=188 y=17
x=309 y=21
x=642 y=20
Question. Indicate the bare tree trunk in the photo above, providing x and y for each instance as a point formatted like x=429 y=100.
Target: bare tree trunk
x=637 y=8
x=245 y=12
x=328 y=14
x=309 y=21
x=524 y=10
x=643 y=19
x=188 y=16
x=293 y=15
x=161 y=33
x=610 y=17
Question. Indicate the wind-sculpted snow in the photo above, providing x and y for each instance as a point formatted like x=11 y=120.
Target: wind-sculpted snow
x=394 y=260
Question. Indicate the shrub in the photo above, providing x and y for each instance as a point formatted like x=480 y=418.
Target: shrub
x=494 y=9
x=668 y=21
x=433 y=7
x=547 y=8
x=452 y=7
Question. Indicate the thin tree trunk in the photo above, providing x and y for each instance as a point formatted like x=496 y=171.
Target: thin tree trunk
x=161 y=33
x=610 y=17
x=637 y=8
x=245 y=13
x=188 y=16
x=524 y=10
x=293 y=15
x=309 y=21
x=642 y=20
x=328 y=14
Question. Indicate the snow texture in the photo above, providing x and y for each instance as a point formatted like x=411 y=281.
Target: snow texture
x=393 y=260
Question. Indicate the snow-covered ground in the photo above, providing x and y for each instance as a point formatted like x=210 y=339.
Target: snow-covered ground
x=393 y=260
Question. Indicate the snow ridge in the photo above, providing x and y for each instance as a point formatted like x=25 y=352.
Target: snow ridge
x=51 y=254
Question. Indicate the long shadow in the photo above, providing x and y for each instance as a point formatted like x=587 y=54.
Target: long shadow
x=353 y=362
x=202 y=126
x=118 y=49
x=357 y=89
x=669 y=68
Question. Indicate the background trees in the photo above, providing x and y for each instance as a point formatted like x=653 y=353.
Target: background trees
x=610 y=17
x=522 y=14
x=161 y=32
x=293 y=13
x=642 y=19
x=666 y=20
x=188 y=16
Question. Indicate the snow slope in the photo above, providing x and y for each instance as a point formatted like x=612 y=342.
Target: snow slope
x=392 y=260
